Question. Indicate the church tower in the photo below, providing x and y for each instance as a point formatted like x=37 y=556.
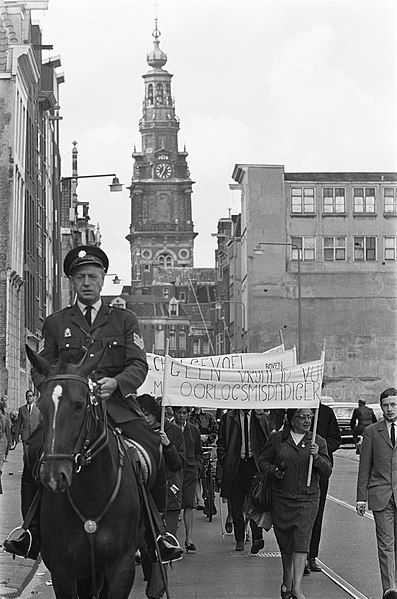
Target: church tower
x=161 y=230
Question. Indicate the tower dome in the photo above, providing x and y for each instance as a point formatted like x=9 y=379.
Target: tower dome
x=156 y=58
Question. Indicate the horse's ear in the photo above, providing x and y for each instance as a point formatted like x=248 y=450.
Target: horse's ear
x=40 y=364
x=91 y=361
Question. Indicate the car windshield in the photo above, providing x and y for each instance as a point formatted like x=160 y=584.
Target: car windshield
x=343 y=412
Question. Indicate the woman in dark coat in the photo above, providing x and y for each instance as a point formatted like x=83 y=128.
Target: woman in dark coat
x=194 y=459
x=294 y=504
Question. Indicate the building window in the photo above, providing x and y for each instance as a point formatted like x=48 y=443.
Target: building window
x=159 y=340
x=302 y=200
x=182 y=296
x=306 y=247
x=389 y=248
x=173 y=308
x=364 y=200
x=196 y=347
x=219 y=343
x=165 y=260
x=390 y=200
x=172 y=339
x=334 y=248
x=333 y=200
x=364 y=249
x=206 y=348
x=182 y=339
x=166 y=293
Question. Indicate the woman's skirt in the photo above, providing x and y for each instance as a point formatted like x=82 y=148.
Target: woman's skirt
x=189 y=488
x=293 y=521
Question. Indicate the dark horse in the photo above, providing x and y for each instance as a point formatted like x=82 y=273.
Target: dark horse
x=91 y=516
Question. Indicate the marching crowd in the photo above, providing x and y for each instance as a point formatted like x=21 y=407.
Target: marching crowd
x=280 y=443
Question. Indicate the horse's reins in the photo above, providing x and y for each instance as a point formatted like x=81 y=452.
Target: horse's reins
x=81 y=459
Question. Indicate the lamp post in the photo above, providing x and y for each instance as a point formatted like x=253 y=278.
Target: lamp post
x=114 y=186
x=258 y=250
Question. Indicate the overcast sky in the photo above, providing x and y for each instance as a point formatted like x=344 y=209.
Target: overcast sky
x=310 y=84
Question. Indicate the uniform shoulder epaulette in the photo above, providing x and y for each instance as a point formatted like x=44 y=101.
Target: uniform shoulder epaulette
x=59 y=311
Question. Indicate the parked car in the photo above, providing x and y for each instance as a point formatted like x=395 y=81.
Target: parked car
x=344 y=411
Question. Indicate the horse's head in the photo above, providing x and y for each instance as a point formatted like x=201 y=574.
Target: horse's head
x=66 y=401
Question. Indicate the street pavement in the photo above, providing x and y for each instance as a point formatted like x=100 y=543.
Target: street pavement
x=215 y=571
x=15 y=574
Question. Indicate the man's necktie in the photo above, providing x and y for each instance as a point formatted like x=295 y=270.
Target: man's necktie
x=88 y=310
x=246 y=438
x=393 y=434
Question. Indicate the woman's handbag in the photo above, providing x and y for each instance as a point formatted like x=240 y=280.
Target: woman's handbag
x=261 y=492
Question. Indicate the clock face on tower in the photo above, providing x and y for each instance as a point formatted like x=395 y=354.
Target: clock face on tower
x=163 y=170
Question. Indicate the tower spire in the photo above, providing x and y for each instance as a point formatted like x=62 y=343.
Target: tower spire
x=156 y=58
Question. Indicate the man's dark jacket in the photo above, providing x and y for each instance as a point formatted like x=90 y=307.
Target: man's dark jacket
x=67 y=335
x=328 y=429
x=229 y=445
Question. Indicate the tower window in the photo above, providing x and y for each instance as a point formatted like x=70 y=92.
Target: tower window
x=159 y=93
x=165 y=260
x=150 y=93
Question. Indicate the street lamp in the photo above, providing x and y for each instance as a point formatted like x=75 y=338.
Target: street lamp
x=258 y=250
x=114 y=186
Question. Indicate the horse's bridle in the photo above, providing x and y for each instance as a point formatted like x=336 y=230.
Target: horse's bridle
x=83 y=454
x=83 y=451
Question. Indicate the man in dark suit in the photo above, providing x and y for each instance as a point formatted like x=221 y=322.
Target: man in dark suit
x=28 y=420
x=243 y=435
x=91 y=324
x=377 y=484
x=328 y=429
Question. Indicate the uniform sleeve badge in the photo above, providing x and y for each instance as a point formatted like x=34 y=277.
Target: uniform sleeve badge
x=138 y=340
x=68 y=333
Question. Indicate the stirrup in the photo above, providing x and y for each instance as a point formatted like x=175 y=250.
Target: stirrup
x=170 y=537
x=30 y=539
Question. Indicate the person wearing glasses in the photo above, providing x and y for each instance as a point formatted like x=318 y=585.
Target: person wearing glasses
x=294 y=504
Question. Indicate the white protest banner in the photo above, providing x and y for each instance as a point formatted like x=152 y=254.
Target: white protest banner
x=274 y=350
x=153 y=384
x=200 y=386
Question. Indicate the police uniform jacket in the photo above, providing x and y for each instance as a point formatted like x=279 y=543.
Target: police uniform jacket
x=67 y=335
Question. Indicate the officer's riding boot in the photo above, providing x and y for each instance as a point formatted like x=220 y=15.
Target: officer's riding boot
x=170 y=549
x=28 y=543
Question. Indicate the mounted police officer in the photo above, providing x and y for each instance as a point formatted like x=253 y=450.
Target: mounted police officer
x=68 y=333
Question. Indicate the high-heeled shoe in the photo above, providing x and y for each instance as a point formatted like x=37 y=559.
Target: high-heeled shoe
x=285 y=594
x=190 y=547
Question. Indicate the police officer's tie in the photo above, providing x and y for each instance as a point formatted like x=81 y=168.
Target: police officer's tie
x=87 y=314
x=246 y=433
x=393 y=434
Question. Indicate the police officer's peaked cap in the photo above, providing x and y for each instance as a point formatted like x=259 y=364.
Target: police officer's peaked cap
x=84 y=254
